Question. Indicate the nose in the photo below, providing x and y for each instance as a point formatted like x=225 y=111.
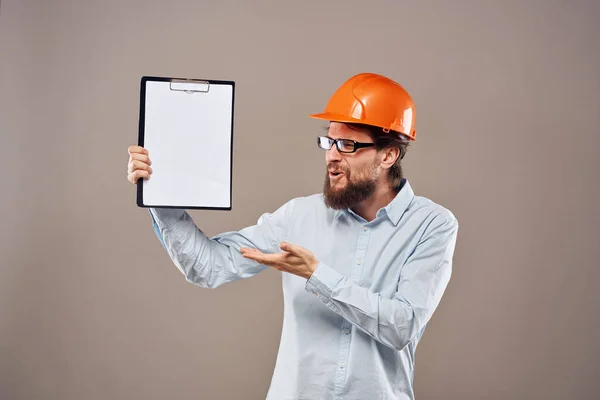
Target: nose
x=332 y=154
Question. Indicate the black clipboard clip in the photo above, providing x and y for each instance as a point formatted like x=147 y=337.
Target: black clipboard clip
x=189 y=86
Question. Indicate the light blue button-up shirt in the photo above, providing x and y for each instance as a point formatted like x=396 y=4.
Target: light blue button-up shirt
x=351 y=330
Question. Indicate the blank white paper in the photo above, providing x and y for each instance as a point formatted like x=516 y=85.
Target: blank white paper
x=188 y=137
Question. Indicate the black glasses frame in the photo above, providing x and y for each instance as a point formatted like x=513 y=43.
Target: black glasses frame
x=356 y=145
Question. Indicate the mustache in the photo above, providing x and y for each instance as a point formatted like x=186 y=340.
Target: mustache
x=336 y=167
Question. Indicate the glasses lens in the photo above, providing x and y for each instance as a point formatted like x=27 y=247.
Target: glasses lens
x=324 y=142
x=346 y=146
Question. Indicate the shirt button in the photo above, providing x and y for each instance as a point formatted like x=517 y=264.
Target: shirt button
x=366 y=229
x=342 y=365
x=358 y=262
x=347 y=331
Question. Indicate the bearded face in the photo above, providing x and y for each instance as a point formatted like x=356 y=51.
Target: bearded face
x=345 y=187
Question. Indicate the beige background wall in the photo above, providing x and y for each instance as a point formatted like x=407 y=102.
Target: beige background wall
x=508 y=139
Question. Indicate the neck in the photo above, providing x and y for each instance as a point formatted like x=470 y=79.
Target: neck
x=383 y=195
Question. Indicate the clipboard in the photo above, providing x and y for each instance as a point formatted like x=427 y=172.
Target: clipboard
x=187 y=127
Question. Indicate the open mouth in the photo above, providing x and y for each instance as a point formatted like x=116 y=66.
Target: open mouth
x=335 y=174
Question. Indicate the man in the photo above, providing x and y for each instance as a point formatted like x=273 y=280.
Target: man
x=364 y=264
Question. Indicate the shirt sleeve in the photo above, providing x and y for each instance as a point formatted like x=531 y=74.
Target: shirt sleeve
x=211 y=262
x=395 y=321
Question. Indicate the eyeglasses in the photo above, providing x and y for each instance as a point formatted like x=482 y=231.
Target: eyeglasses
x=343 y=145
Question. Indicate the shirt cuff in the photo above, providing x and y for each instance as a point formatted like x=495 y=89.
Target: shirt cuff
x=323 y=281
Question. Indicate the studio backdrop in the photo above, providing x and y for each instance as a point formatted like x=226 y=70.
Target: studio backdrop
x=506 y=92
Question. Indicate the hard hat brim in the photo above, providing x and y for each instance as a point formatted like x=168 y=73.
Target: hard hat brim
x=336 y=118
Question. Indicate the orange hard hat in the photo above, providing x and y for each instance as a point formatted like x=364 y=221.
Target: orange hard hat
x=375 y=100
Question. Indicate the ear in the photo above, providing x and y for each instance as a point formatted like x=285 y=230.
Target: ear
x=389 y=155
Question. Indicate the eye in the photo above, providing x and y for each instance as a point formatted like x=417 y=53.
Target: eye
x=324 y=142
x=347 y=145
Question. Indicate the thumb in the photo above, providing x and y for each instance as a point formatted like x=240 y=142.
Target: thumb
x=285 y=246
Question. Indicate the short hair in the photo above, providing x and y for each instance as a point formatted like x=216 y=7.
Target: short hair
x=384 y=139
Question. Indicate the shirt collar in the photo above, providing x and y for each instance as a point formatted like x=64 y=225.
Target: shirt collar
x=395 y=209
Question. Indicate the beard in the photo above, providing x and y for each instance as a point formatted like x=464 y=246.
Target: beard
x=356 y=190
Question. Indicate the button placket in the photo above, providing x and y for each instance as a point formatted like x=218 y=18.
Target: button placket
x=361 y=250
x=346 y=328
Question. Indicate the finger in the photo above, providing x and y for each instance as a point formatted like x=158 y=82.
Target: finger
x=255 y=255
x=134 y=176
x=136 y=149
x=246 y=250
x=135 y=165
x=140 y=157
x=290 y=248
x=285 y=246
x=267 y=259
